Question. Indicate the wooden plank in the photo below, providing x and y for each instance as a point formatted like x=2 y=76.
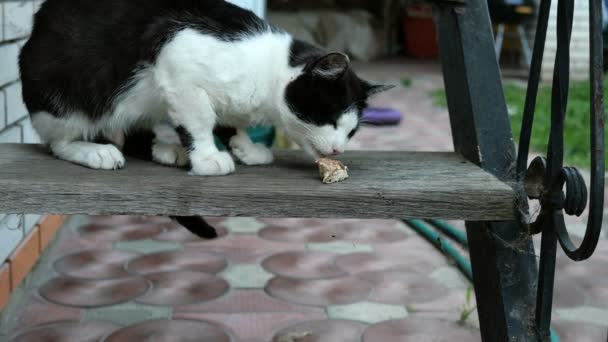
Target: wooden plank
x=382 y=185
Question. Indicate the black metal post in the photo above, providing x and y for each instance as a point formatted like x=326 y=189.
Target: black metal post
x=502 y=254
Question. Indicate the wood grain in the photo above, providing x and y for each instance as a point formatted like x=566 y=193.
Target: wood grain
x=381 y=185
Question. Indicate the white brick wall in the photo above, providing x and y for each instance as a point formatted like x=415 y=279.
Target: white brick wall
x=579 y=46
x=15 y=126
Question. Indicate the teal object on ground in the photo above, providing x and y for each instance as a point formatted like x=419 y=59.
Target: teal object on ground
x=258 y=134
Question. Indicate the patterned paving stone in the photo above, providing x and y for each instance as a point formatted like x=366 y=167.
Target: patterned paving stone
x=417 y=329
x=580 y=332
x=95 y=264
x=298 y=234
x=242 y=301
x=340 y=247
x=303 y=265
x=319 y=331
x=243 y=225
x=355 y=263
x=67 y=332
x=127 y=232
x=182 y=287
x=243 y=276
x=179 y=234
x=37 y=311
x=244 y=248
x=450 y=277
x=93 y=293
x=344 y=290
x=147 y=246
x=177 y=260
x=174 y=330
x=370 y=231
x=586 y=314
x=399 y=287
x=127 y=313
x=258 y=327
x=368 y=312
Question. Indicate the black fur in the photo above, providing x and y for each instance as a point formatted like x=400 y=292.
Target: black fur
x=94 y=47
x=319 y=99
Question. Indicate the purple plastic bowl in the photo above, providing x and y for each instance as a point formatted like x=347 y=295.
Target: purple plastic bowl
x=381 y=116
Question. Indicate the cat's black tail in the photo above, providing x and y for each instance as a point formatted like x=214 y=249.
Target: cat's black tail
x=138 y=144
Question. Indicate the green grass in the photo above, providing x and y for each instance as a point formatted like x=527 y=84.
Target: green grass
x=576 y=133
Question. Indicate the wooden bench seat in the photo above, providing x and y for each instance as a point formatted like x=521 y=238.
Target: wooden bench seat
x=382 y=185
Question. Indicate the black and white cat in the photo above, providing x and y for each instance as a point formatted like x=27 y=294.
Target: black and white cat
x=95 y=70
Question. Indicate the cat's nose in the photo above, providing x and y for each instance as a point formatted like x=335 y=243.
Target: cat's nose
x=337 y=151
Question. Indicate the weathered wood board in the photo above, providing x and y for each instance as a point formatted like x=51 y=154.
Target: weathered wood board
x=381 y=185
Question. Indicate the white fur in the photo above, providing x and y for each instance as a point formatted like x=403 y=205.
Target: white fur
x=96 y=156
x=248 y=152
x=197 y=82
x=169 y=154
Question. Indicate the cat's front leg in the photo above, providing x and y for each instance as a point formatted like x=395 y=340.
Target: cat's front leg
x=248 y=152
x=194 y=118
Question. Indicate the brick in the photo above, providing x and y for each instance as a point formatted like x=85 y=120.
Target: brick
x=9 y=54
x=5 y=284
x=24 y=258
x=48 y=228
x=17 y=19
x=11 y=135
x=30 y=136
x=15 y=108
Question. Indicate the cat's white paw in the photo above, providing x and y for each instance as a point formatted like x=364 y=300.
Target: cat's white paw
x=95 y=156
x=217 y=164
x=169 y=154
x=251 y=154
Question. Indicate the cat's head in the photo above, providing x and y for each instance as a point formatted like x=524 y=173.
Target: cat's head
x=325 y=104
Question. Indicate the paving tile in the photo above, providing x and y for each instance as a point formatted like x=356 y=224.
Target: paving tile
x=586 y=314
x=147 y=246
x=244 y=248
x=24 y=258
x=179 y=234
x=450 y=277
x=298 y=234
x=177 y=260
x=304 y=265
x=243 y=225
x=319 y=292
x=580 y=332
x=418 y=329
x=128 y=313
x=260 y=326
x=323 y=330
x=67 y=331
x=402 y=288
x=182 y=287
x=93 y=293
x=241 y=301
x=246 y=276
x=370 y=262
x=368 y=312
x=171 y=330
x=125 y=232
x=36 y=311
x=95 y=264
x=340 y=247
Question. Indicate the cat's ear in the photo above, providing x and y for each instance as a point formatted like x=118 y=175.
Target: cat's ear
x=331 y=66
x=373 y=89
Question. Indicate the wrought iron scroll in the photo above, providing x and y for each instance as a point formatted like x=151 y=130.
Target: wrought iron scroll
x=546 y=178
